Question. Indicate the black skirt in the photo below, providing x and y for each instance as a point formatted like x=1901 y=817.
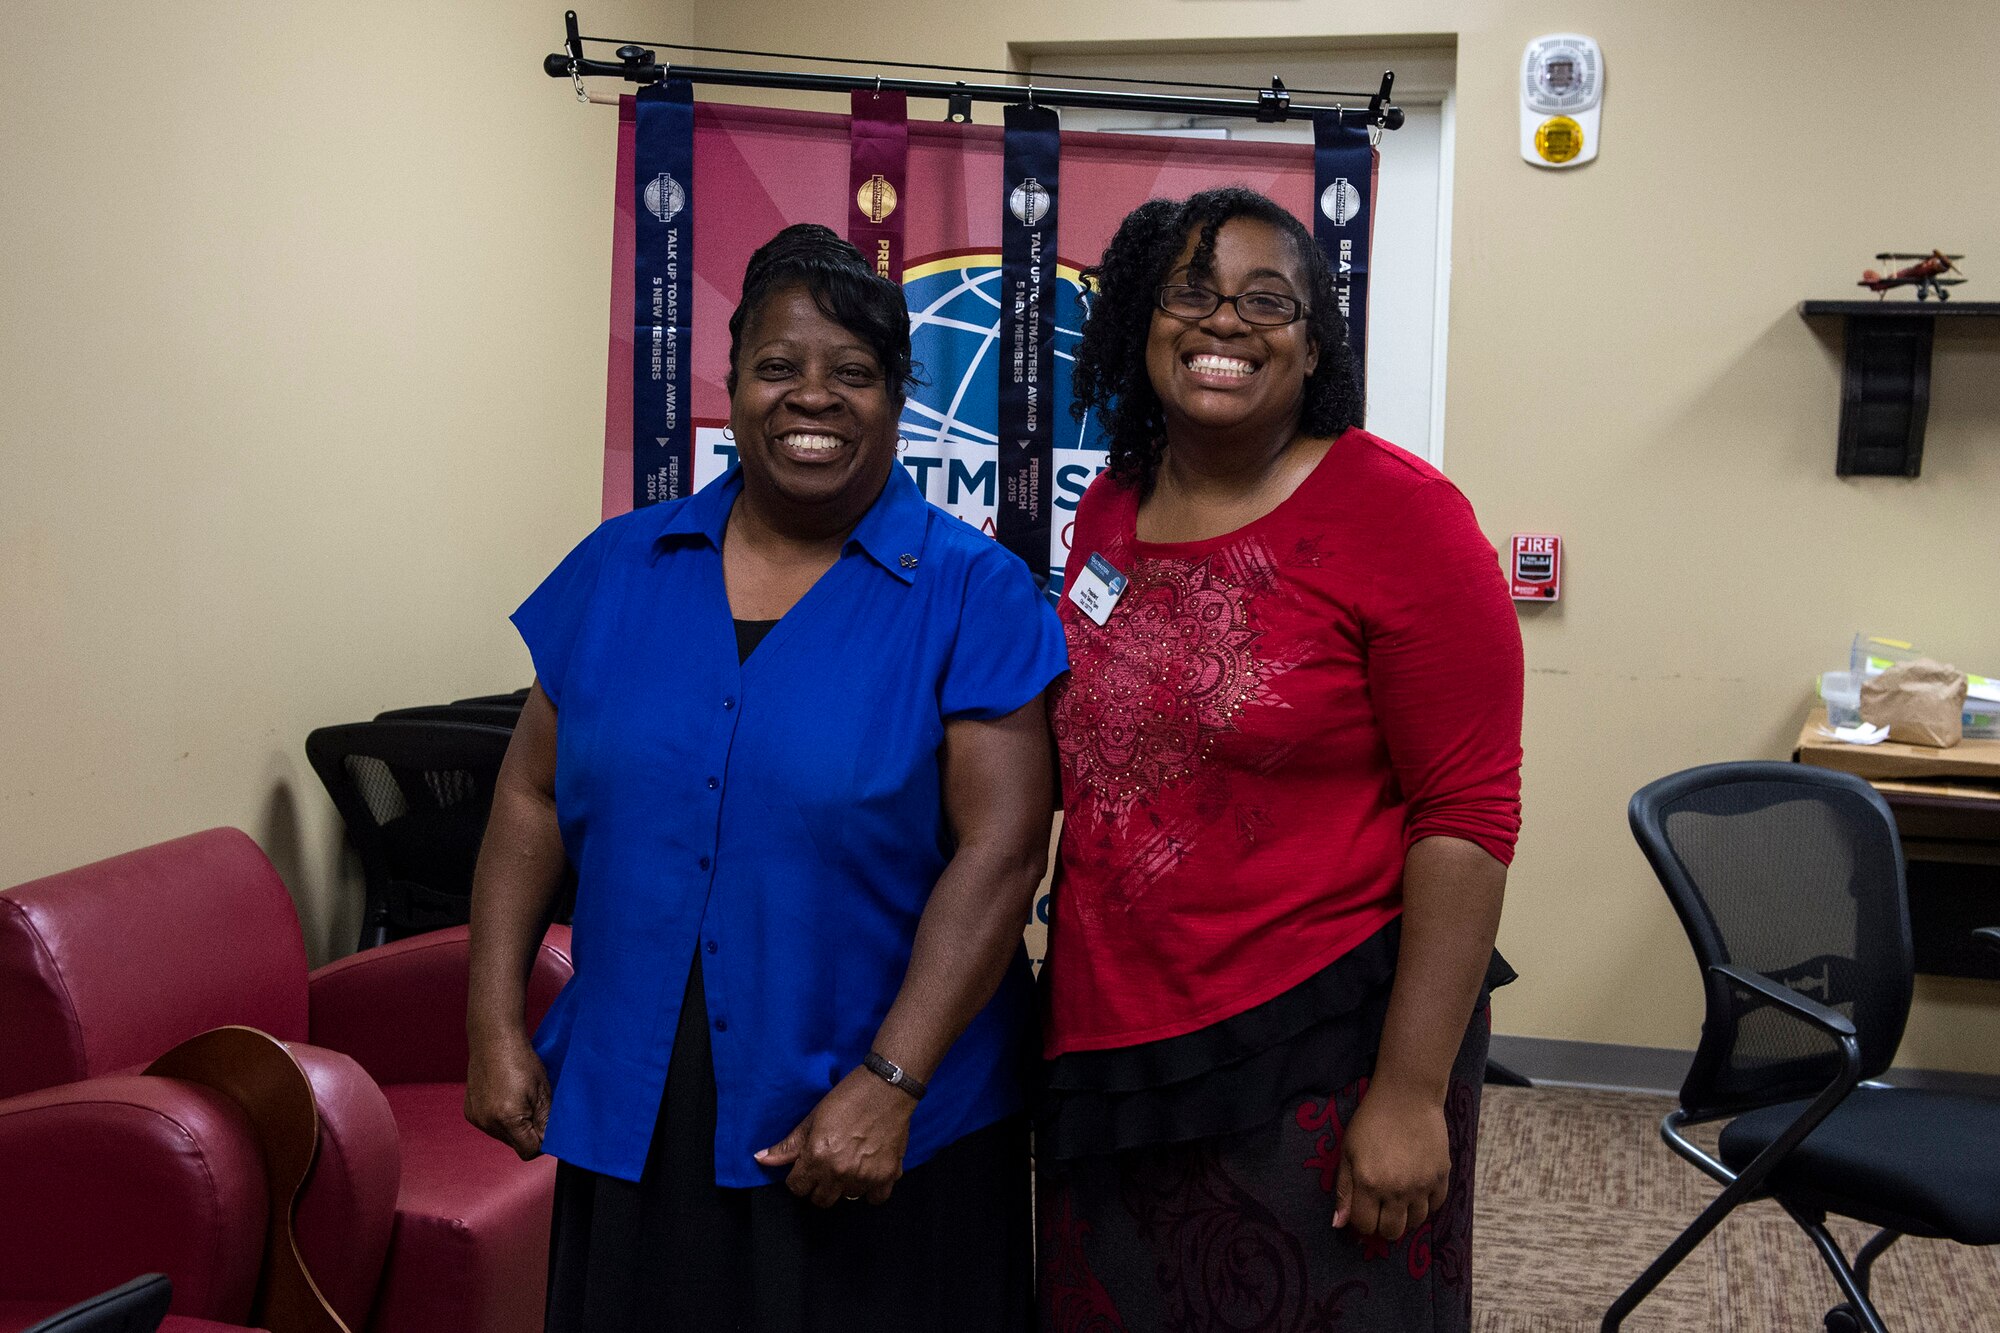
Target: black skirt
x=951 y=1249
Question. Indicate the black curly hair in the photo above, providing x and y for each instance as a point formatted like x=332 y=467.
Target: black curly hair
x=845 y=289
x=1110 y=376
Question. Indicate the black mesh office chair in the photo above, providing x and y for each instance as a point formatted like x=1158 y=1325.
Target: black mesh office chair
x=515 y=699
x=1789 y=882
x=139 y=1306
x=415 y=795
x=485 y=714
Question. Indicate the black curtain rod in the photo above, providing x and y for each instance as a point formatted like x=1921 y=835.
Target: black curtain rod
x=967 y=69
x=636 y=64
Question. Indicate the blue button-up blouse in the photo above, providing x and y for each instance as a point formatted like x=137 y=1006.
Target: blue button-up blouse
x=783 y=815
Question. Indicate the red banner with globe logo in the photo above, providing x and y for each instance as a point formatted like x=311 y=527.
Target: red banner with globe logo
x=757 y=170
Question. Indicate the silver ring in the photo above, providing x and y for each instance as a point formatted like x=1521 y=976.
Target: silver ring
x=850 y=1197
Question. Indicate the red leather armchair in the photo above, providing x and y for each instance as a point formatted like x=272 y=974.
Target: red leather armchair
x=110 y=1178
x=412 y=1222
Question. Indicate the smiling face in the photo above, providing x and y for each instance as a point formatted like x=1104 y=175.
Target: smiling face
x=1221 y=374
x=814 y=423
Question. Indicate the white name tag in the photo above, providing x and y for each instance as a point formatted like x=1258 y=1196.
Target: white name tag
x=1097 y=588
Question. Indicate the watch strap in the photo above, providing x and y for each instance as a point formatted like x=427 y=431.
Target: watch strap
x=893 y=1074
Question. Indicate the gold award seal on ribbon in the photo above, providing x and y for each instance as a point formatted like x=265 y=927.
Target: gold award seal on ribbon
x=1558 y=139
x=876 y=198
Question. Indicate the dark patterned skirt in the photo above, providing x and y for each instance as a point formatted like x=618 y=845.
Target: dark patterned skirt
x=1233 y=1232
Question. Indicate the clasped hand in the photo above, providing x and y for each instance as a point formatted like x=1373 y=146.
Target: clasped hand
x=850 y=1146
x=1395 y=1164
x=507 y=1094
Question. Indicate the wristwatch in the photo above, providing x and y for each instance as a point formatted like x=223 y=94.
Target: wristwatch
x=892 y=1073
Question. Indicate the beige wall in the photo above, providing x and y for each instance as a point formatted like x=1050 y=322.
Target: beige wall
x=302 y=321
x=1715 y=561
x=301 y=365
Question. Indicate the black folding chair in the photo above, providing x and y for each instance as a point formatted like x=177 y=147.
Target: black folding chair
x=414 y=795
x=1789 y=883
x=139 y=1306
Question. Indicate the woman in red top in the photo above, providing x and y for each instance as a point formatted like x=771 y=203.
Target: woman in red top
x=1291 y=751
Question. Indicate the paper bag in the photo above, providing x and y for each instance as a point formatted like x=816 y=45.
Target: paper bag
x=1920 y=702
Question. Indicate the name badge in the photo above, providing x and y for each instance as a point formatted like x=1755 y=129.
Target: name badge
x=1097 y=588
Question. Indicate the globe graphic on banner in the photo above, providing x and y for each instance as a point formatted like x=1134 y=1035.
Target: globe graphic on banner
x=951 y=423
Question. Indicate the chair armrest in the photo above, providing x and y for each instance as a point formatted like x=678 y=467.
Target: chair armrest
x=128 y=1174
x=1988 y=936
x=346 y=1211
x=1759 y=1168
x=1812 y=1011
x=399 y=1010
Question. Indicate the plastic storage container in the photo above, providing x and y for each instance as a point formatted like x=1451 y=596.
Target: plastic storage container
x=1871 y=656
x=1842 y=692
x=1981 y=718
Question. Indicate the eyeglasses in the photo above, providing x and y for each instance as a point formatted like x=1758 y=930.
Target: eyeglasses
x=1184 y=301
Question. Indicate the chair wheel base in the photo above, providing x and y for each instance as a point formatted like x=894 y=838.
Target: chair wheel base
x=1843 y=1318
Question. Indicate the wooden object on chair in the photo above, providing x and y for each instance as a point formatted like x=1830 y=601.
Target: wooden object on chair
x=256 y=1070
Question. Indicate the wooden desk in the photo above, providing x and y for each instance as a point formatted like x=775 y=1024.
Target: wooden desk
x=1947 y=808
x=1976 y=764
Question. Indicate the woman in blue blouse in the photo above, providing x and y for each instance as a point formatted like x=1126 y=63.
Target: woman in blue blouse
x=790 y=732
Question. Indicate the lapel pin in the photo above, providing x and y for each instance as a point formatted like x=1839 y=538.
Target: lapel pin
x=907 y=560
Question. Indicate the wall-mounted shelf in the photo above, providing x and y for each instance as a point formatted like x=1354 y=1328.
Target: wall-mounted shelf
x=1885 y=385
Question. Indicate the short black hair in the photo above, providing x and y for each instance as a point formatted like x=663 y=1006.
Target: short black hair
x=1110 y=376
x=841 y=284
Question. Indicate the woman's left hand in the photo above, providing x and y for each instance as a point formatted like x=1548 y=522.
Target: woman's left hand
x=851 y=1145
x=1395 y=1164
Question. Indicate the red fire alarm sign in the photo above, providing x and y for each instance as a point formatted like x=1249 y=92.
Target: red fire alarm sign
x=1534 y=569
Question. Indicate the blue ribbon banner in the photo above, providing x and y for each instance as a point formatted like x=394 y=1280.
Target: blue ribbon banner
x=1344 y=222
x=663 y=290
x=1030 y=177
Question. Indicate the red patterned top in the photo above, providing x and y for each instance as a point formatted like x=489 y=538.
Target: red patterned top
x=1262 y=728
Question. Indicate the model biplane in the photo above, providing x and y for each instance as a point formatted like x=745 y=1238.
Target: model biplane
x=1926 y=275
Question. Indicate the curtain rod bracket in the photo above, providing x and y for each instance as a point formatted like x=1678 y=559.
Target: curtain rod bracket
x=573 y=43
x=639 y=64
x=1273 y=102
x=1378 y=105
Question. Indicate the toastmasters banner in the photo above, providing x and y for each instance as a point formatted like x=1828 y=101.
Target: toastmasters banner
x=759 y=170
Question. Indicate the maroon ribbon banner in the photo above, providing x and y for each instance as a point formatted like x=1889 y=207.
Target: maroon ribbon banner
x=878 y=138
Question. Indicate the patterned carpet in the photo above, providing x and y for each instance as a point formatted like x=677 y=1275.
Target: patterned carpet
x=1577 y=1195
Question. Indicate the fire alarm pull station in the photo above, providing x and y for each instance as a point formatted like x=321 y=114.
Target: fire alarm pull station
x=1534 y=569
